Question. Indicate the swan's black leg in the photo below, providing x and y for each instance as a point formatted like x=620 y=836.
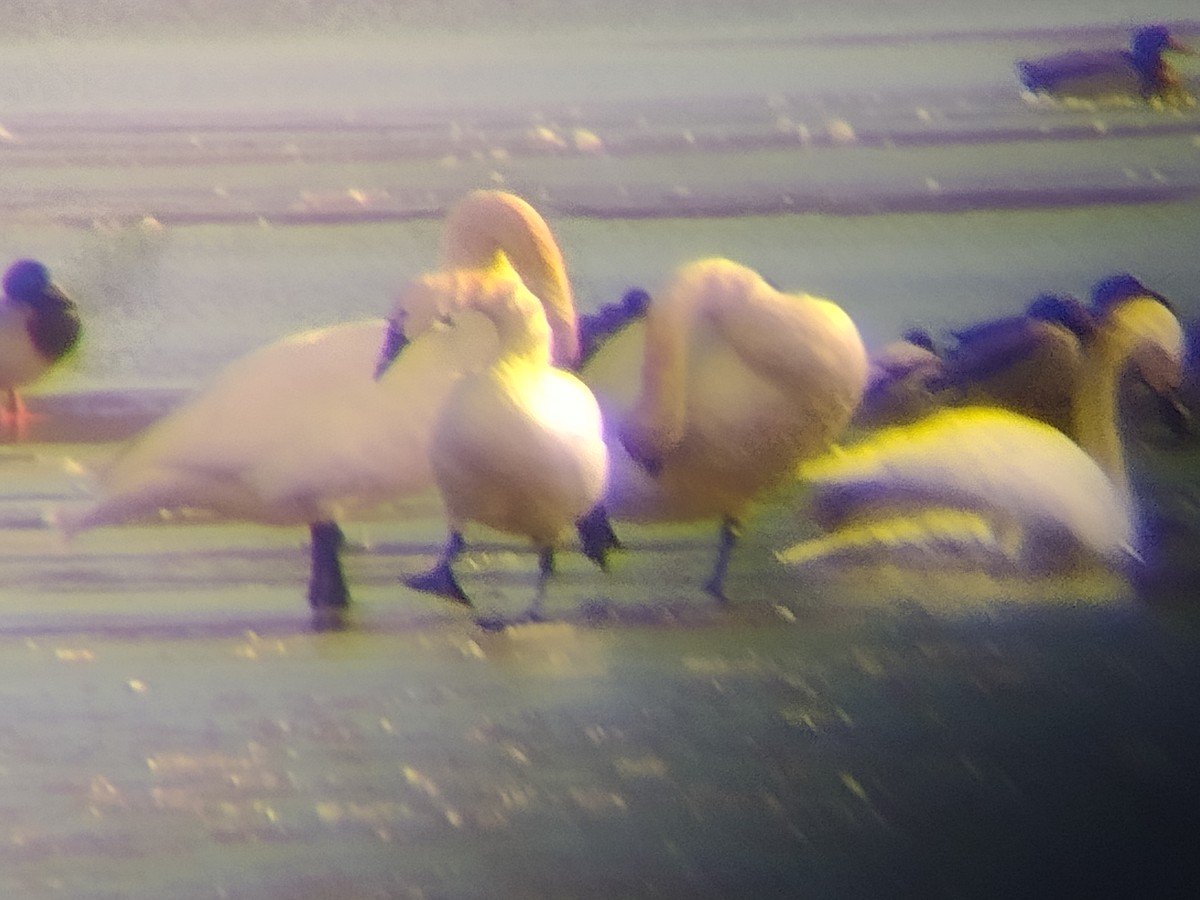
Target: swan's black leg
x=596 y=535
x=327 y=593
x=728 y=539
x=545 y=570
x=440 y=579
x=533 y=612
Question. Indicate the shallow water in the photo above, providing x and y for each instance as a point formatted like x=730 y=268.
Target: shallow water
x=171 y=728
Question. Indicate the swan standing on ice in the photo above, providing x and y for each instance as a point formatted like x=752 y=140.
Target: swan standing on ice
x=39 y=325
x=1139 y=72
x=984 y=484
x=300 y=431
x=739 y=383
x=518 y=447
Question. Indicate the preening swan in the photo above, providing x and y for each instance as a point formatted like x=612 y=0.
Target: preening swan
x=970 y=483
x=739 y=382
x=39 y=325
x=1141 y=72
x=518 y=447
x=300 y=431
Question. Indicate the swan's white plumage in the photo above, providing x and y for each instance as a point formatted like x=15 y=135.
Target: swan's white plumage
x=1000 y=483
x=297 y=431
x=738 y=382
x=518 y=447
x=300 y=431
x=1042 y=500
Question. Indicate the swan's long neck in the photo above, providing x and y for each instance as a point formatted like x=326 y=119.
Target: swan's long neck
x=1095 y=409
x=656 y=423
x=1139 y=331
x=489 y=224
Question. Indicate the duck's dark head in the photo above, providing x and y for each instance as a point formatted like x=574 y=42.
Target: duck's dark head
x=1151 y=41
x=919 y=337
x=1146 y=51
x=54 y=326
x=1066 y=310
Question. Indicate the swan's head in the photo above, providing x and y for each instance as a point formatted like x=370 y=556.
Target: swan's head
x=438 y=298
x=1119 y=287
x=1155 y=340
x=422 y=303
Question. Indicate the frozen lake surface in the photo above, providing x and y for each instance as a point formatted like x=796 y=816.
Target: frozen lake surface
x=171 y=729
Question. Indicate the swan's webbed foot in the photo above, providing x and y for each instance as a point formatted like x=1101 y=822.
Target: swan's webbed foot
x=328 y=596
x=534 y=612
x=596 y=536
x=715 y=588
x=439 y=580
x=499 y=622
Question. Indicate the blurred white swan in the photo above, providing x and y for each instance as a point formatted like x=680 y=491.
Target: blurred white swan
x=982 y=486
x=739 y=382
x=301 y=432
x=39 y=325
x=518 y=447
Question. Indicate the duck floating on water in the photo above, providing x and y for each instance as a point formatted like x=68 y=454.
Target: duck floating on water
x=738 y=383
x=980 y=486
x=518 y=447
x=39 y=326
x=1141 y=72
x=300 y=432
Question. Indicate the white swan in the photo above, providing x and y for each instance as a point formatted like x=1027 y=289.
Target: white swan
x=739 y=382
x=974 y=484
x=39 y=325
x=518 y=447
x=300 y=431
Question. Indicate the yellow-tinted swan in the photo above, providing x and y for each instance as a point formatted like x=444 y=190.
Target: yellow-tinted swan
x=985 y=484
x=39 y=325
x=518 y=447
x=300 y=431
x=739 y=382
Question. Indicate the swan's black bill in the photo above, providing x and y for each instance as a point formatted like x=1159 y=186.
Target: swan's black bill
x=393 y=342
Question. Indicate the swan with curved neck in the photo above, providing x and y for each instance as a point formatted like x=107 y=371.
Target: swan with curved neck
x=39 y=325
x=300 y=432
x=518 y=447
x=739 y=382
x=992 y=480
